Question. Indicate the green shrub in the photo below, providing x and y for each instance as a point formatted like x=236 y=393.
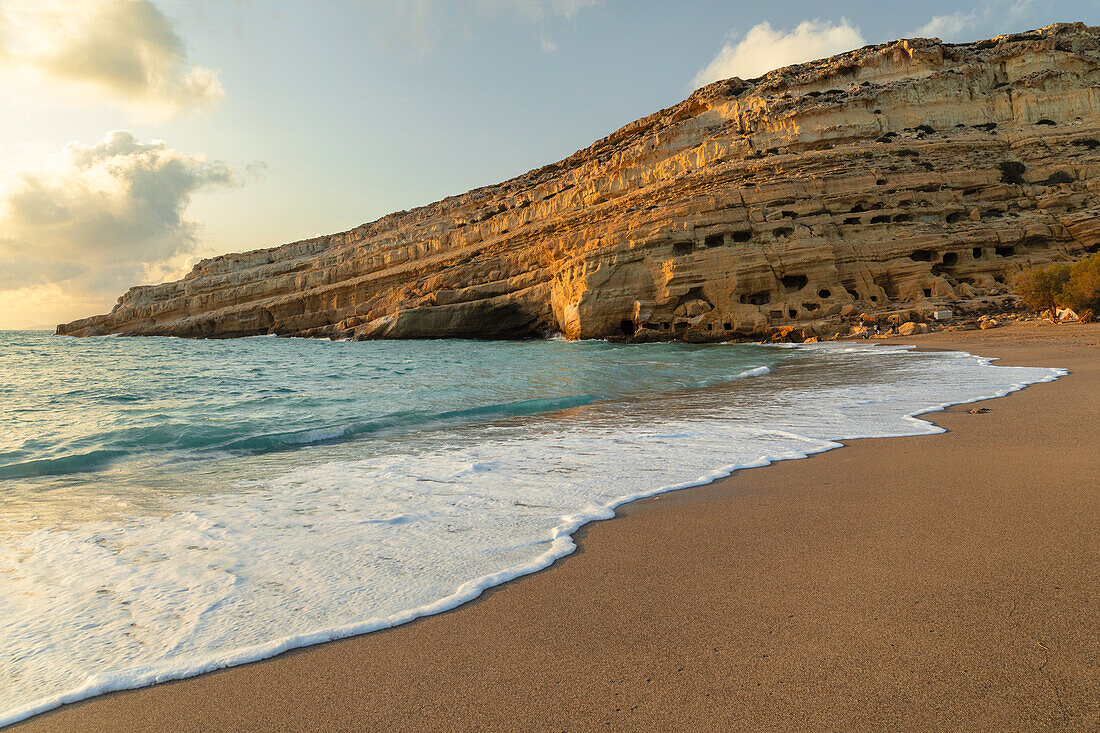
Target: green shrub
x=1041 y=288
x=1012 y=172
x=1082 y=291
x=1076 y=287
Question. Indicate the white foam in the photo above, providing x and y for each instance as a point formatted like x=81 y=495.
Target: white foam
x=353 y=546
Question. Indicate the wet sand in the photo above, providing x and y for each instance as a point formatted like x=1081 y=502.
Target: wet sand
x=935 y=582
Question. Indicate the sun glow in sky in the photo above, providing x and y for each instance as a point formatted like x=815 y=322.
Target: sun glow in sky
x=138 y=136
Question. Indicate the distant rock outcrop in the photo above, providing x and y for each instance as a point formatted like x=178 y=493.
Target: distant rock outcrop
x=911 y=175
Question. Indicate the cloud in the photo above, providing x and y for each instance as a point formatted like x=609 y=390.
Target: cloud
x=531 y=9
x=987 y=19
x=421 y=24
x=123 y=52
x=946 y=26
x=763 y=49
x=96 y=219
x=257 y=169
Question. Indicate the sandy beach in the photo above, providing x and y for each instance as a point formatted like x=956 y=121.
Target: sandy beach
x=935 y=582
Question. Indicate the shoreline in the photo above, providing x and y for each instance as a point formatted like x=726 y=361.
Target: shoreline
x=213 y=699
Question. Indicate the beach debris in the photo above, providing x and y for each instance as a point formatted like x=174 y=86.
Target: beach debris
x=978 y=410
x=943 y=315
x=1065 y=314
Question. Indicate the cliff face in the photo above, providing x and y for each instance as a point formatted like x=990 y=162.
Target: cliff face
x=909 y=175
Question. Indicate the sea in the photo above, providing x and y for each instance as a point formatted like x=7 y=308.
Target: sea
x=170 y=506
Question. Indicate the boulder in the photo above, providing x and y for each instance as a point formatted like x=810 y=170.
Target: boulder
x=911 y=328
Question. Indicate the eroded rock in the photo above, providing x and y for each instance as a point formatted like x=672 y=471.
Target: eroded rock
x=913 y=174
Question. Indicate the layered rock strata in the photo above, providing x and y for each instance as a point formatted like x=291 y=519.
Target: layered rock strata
x=907 y=176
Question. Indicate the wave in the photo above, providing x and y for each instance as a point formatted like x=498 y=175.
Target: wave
x=401 y=421
x=234 y=438
x=219 y=436
x=715 y=381
x=77 y=463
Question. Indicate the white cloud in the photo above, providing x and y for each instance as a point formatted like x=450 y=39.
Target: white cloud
x=123 y=52
x=96 y=219
x=422 y=23
x=764 y=48
x=530 y=9
x=257 y=169
x=987 y=19
x=946 y=26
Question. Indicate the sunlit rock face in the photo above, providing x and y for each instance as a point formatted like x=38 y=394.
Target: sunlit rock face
x=906 y=176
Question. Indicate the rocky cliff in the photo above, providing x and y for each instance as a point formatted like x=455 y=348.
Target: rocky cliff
x=906 y=176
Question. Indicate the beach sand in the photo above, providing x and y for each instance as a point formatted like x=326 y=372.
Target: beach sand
x=936 y=582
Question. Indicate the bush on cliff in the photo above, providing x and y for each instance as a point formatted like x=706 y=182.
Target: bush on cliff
x=1076 y=287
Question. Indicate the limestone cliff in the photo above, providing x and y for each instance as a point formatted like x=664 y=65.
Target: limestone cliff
x=909 y=175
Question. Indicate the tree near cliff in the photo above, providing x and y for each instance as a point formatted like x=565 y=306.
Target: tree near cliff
x=1082 y=291
x=1074 y=286
x=1040 y=288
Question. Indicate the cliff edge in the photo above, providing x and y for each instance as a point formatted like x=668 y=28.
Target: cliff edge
x=911 y=175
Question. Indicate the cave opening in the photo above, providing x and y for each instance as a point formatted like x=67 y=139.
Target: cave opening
x=795 y=282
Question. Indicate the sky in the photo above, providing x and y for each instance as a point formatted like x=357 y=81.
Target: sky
x=138 y=136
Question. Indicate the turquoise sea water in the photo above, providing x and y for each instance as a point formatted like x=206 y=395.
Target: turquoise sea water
x=171 y=506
